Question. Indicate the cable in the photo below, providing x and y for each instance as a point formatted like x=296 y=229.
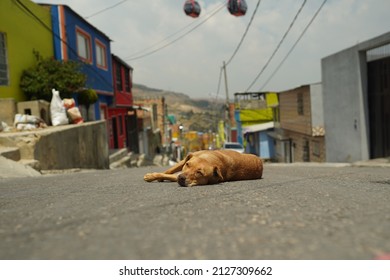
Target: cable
x=277 y=47
x=219 y=81
x=25 y=9
x=293 y=47
x=162 y=41
x=106 y=9
x=177 y=39
x=244 y=35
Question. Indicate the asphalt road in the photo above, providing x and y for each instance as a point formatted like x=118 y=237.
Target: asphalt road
x=292 y=213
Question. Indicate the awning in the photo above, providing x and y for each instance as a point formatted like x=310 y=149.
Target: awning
x=136 y=107
x=258 y=127
x=278 y=136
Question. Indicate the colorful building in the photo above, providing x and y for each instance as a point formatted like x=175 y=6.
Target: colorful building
x=255 y=114
x=25 y=27
x=76 y=39
x=122 y=118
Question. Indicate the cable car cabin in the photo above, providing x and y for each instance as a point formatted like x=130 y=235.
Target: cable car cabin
x=237 y=7
x=192 y=8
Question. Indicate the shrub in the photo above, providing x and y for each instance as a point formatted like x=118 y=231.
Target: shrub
x=65 y=76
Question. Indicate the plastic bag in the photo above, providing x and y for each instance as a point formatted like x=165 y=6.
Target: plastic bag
x=28 y=122
x=75 y=115
x=57 y=109
x=68 y=103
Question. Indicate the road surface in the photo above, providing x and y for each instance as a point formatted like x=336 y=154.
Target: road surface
x=294 y=212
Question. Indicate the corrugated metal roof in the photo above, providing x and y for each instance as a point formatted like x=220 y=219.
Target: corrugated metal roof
x=378 y=53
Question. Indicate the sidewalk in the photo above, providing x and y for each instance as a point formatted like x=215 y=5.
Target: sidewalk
x=378 y=162
x=14 y=169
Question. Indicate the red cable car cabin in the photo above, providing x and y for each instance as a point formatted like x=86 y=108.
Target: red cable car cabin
x=192 y=8
x=237 y=7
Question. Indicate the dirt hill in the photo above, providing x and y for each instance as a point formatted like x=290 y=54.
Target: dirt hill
x=195 y=114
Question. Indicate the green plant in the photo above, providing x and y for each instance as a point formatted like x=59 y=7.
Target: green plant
x=65 y=76
x=87 y=97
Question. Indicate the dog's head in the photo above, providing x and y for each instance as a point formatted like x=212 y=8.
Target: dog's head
x=198 y=171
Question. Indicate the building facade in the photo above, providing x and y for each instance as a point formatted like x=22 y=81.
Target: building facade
x=356 y=93
x=153 y=125
x=75 y=39
x=300 y=132
x=254 y=116
x=18 y=43
x=122 y=118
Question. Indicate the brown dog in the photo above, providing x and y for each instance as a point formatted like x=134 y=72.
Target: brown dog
x=211 y=167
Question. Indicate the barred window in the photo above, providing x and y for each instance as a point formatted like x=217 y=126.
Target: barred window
x=4 y=79
x=300 y=103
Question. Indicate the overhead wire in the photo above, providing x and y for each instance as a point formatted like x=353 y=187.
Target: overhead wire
x=245 y=33
x=27 y=10
x=131 y=58
x=106 y=9
x=163 y=40
x=295 y=44
x=238 y=46
x=277 y=47
x=219 y=81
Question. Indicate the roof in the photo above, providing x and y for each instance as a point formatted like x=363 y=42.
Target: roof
x=121 y=61
x=77 y=15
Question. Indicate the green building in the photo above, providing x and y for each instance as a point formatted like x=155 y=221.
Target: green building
x=24 y=27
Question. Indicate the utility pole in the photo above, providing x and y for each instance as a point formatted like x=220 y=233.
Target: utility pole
x=227 y=113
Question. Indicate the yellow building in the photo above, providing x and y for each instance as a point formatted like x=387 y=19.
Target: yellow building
x=25 y=27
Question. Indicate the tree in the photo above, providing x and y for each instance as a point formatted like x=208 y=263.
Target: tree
x=87 y=97
x=65 y=76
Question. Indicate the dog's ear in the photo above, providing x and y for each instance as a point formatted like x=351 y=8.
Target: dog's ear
x=217 y=174
x=188 y=157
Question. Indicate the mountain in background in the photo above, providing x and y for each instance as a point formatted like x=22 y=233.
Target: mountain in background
x=200 y=115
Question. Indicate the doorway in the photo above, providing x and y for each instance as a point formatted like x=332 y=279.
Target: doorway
x=379 y=107
x=115 y=132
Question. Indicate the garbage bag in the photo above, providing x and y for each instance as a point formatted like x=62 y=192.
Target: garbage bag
x=57 y=110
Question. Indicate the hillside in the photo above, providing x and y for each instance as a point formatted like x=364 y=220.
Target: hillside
x=195 y=114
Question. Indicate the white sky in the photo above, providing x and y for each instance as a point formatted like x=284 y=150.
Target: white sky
x=192 y=64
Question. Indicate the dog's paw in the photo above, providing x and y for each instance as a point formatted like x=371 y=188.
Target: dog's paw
x=149 y=177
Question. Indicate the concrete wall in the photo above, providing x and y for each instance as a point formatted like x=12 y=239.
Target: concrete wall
x=346 y=138
x=7 y=110
x=38 y=108
x=317 y=106
x=344 y=80
x=70 y=146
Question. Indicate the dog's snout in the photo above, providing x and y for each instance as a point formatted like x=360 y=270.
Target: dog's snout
x=181 y=179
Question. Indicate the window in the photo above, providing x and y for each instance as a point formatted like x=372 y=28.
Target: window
x=101 y=55
x=306 y=151
x=155 y=113
x=127 y=80
x=84 y=49
x=3 y=61
x=120 y=125
x=300 y=103
x=118 y=77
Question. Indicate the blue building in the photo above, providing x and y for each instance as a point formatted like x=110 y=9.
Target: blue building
x=75 y=39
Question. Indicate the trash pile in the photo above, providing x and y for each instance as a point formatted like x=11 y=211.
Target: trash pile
x=62 y=112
